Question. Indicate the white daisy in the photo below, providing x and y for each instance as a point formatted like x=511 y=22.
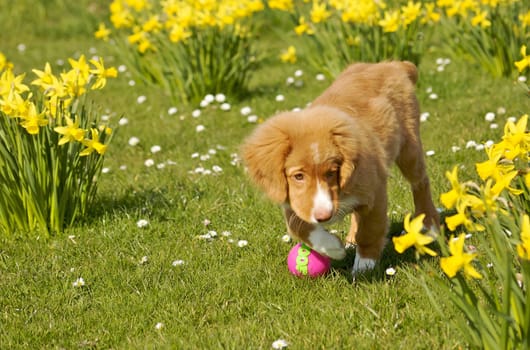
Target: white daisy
x=78 y=283
x=178 y=262
x=279 y=344
x=142 y=223
x=217 y=169
x=246 y=110
x=209 y=98
x=220 y=98
x=433 y=96
x=133 y=141
x=489 y=117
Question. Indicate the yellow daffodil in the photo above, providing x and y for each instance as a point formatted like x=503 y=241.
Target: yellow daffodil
x=462 y=216
x=13 y=105
x=32 y=120
x=93 y=144
x=361 y=11
x=178 y=33
x=138 y=5
x=515 y=135
x=289 y=55
x=303 y=27
x=136 y=37
x=71 y=132
x=255 y=5
x=459 y=259
x=56 y=88
x=45 y=77
x=152 y=24
x=283 y=5
x=9 y=82
x=391 y=21
x=145 y=45
x=458 y=191
x=524 y=62
x=102 y=73
x=102 y=33
x=81 y=68
x=523 y=248
x=481 y=19
x=445 y=3
x=503 y=183
x=319 y=12
x=410 y=12
x=493 y=168
x=120 y=16
x=414 y=237
x=4 y=63
x=430 y=16
x=74 y=84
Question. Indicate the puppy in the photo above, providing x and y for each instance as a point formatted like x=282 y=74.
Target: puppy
x=332 y=159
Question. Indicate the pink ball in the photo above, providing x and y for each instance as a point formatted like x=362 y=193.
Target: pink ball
x=303 y=261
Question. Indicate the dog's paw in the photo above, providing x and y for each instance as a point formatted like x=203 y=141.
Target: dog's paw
x=327 y=244
x=362 y=264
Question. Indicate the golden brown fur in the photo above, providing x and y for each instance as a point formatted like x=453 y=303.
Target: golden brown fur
x=332 y=158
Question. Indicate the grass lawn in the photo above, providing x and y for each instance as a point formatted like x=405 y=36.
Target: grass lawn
x=167 y=286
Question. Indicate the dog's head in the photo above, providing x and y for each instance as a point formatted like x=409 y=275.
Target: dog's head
x=304 y=159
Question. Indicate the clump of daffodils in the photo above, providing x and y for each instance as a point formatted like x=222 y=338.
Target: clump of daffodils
x=487 y=256
x=345 y=31
x=58 y=92
x=51 y=145
x=190 y=48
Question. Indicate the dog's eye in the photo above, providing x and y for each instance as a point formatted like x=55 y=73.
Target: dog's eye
x=299 y=177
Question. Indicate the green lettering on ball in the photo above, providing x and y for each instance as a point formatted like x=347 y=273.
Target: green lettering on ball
x=302 y=259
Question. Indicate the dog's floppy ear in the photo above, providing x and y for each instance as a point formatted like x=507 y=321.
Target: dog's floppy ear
x=342 y=133
x=264 y=153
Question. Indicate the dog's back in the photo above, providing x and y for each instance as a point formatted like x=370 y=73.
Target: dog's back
x=383 y=96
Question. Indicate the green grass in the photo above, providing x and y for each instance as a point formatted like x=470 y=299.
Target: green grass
x=223 y=296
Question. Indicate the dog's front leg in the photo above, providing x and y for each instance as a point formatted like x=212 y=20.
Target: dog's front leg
x=314 y=235
x=371 y=235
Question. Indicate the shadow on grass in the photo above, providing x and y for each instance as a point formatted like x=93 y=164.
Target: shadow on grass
x=153 y=203
x=389 y=258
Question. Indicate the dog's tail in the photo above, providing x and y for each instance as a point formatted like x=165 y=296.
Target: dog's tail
x=411 y=70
